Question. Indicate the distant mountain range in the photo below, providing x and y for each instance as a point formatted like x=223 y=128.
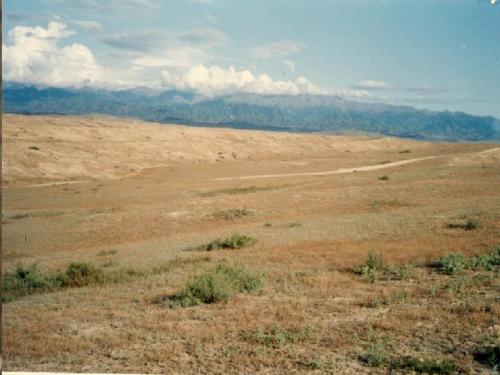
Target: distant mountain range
x=299 y=113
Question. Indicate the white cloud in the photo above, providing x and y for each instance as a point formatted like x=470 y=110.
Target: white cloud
x=33 y=55
x=215 y=80
x=357 y=94
x=372 y=85
x=276 y=49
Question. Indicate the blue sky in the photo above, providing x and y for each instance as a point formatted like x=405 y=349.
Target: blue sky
x=437 y=54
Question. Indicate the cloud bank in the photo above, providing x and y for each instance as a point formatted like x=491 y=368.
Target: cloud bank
x=33 y=55
x=215 y=80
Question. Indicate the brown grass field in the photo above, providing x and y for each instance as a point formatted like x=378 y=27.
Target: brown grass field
x=132 y=198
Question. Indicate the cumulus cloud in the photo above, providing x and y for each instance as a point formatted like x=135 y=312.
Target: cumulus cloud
x=33 y=55
x=215 y=80
x=276 y=49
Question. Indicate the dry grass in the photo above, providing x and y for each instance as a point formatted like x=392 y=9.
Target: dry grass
x=313 y=314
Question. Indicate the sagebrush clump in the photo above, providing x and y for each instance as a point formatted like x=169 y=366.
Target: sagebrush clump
x=216 y=285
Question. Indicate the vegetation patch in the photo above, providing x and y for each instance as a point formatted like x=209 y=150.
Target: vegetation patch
x=232 y=214
x=375 y=269
x=236 y=241
x=216 y=285
x=383 y=178
x=376 y=354
x=80 y=274
x=392 y=299
x=277 y=336
x=34 y=148
x=295 y=224
x=470 y=224
x=489 y=355
x=426 y=365
x=454 y=263
x=26 y=280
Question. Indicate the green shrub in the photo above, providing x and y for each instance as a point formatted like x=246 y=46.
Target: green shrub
x=218 y=284
x=454 y=263
x=23 y=280
x=426 y=366
x=374 y=261
x=370 y=270
x=376 y=355
x=470 y=224
x=451 y=263
x=384 y=178
x=487 y=261
x=79 y=274
x=236 y=241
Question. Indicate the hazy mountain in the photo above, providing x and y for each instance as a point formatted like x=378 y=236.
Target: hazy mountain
x=279 y=112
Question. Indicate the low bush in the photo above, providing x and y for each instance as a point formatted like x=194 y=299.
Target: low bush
x=374 y=269
x=80 y=274
x=236 y=241
x=384 y=178
x=23 y=280
x=218 y=284
x=372 y=266
x=376 y=355
x=454 y=263
x=451 y=263
x=470 y=224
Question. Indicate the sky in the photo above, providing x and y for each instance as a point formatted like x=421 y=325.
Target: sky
x=435 y=54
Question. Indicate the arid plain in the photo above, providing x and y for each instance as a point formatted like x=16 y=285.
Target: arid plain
x=140 y=201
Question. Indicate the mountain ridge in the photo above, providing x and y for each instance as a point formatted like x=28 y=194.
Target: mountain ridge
x=296 y=113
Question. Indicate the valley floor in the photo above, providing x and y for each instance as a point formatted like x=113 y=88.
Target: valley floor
x=139 y=201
